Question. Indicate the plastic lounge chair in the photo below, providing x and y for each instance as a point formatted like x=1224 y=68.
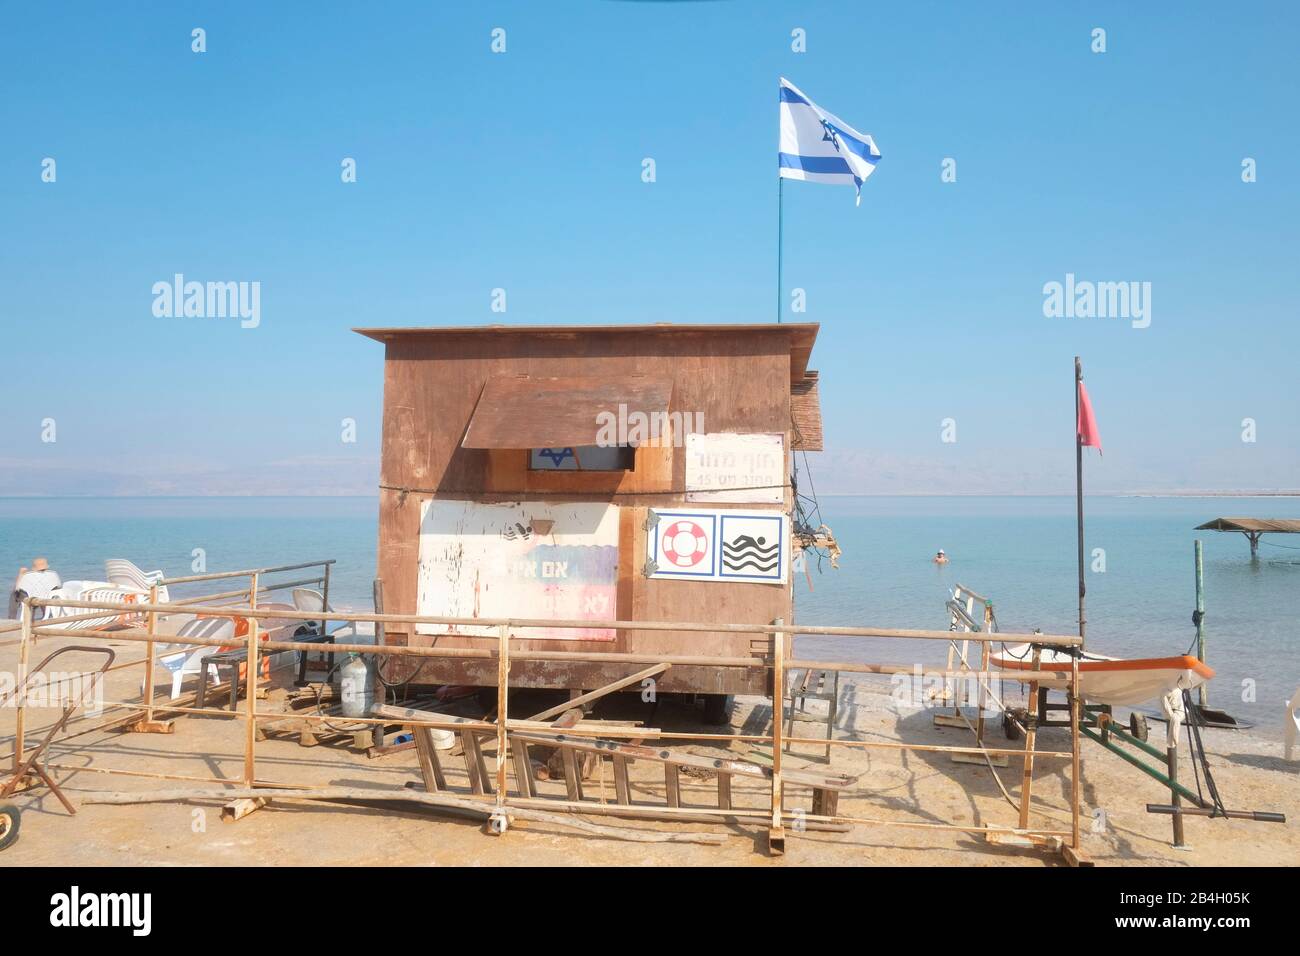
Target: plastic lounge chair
x=1292 y=729
x=100 y=593
x=122 y=572
x=189 y=658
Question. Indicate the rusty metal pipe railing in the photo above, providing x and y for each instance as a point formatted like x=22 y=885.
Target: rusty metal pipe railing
x=1045 y=640
x=775 y=630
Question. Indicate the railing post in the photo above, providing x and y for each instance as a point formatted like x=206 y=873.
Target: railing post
x=151 y=622
x=503 y=687
x=1031 y=741
x=985 y=655
x=377 y=593
x=776 y=833
x=325 y=602
x=20 y=743
x=1075 y=716
x=250 y=736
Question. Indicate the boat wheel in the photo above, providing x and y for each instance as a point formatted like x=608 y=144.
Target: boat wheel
x=1137 y=725
x=8 y=825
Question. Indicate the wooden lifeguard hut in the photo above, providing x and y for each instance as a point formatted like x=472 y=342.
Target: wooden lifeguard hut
x=602 y=473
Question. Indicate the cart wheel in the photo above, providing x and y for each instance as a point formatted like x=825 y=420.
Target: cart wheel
x=1137 y=725
x=1010 y=729
x=8 y=825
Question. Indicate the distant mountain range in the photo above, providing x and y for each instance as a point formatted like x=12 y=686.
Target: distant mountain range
x=853 y=472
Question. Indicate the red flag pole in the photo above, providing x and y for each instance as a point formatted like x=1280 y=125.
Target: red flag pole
x=1078 y=488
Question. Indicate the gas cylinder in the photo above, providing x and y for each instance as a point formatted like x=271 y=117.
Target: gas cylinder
x=356 y=687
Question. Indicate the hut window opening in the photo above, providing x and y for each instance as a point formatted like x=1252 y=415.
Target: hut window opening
x=583 y=458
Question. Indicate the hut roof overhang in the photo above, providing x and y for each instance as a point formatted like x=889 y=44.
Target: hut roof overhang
x=531 y=412
x=800 y=335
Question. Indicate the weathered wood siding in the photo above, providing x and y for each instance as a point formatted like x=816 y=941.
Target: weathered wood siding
x=739 y=381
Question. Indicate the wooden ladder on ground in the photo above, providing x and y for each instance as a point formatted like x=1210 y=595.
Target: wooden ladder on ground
x=573 y=749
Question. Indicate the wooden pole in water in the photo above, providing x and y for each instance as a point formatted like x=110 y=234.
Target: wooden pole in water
x=1200 y=618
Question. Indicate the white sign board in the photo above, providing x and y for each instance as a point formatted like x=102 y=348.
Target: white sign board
x=702 y=545
x=522 y=560
x=746 y=469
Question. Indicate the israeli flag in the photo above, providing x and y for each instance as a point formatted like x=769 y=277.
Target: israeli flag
x=819 y=147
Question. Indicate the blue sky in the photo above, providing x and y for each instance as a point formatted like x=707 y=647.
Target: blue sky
x=522 y=171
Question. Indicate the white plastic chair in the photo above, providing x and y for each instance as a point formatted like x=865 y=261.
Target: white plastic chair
x=1292 y=728
x=122 y=572
x=351 y=632
x=308 y=599
x=189 y=660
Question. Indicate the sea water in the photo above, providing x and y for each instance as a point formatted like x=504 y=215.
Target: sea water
x=1018 y=551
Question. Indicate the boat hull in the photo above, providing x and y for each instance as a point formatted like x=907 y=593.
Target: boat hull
x=1115 y=681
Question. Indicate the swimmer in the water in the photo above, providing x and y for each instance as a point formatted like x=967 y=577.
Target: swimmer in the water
x=941 y=558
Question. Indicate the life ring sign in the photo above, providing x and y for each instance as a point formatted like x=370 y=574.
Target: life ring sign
x=683 y=545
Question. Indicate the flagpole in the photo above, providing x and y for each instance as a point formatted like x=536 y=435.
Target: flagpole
x=1078 y=487
x=780 y=229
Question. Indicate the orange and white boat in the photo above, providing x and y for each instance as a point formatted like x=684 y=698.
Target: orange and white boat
x=1112 y=680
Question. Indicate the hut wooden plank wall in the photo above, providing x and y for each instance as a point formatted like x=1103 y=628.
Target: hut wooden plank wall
x=451 y=388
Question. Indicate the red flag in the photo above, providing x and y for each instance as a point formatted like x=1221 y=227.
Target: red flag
x=1087 y=425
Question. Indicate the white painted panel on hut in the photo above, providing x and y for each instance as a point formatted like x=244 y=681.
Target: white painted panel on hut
x=747 y=469
x=725 y=545
x=521 y=560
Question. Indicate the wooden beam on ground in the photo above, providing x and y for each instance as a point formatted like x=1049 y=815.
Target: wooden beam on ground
x=411 y=716
x=146 y=726
x=441 y=800
x=238 y=809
